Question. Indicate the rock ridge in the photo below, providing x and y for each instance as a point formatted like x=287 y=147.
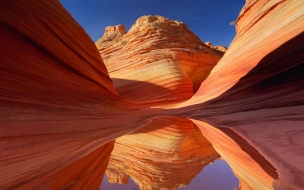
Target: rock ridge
x=160 y=52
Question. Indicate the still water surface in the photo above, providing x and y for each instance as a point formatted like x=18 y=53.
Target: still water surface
x=217 y=176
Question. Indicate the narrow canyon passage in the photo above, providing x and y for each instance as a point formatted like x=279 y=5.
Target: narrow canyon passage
x=67 y=116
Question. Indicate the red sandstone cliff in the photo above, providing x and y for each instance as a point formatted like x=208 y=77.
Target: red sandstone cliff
x=256 y=89
x=265 y=52
x=157 y=60
x=59 y=107
x=58 y=104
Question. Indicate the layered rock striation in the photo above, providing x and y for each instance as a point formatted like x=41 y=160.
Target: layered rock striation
x=60 y=111
x=264 y=62
x=167 y=153
x=249 y=166
x=58 y=103
x=256 y=89
x=157 y=61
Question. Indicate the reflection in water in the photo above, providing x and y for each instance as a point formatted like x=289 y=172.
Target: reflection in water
x=169 y=152
x=106 y=185
x=252 y=169
x=165 y=154
x=217 y=176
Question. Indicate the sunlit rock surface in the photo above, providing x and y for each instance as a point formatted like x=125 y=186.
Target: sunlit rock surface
x=252 y=169
x=165 y=154
x=256 y=89
x=57 y=102
x=113 y=32
x=60 y=109
x=158 y=61
x=219 y=48
x=262 y=67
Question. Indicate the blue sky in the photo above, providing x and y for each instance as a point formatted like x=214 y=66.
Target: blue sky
x=208 y=19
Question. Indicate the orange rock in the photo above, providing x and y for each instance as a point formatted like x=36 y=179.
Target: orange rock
x=165 y=154
x=158 y=61
x=58 y=104
x=264 y=52
x=219 y=48
x=85 y=173
x=256 y=89
x=113 y=32
x=252 y=169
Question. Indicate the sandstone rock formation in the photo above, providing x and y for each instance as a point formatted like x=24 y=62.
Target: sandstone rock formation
x=252 y=169
x=256 y=89
x=60 y=109
x=219 y=48
x=266 y=50
x=113 y=33
x=58 y=104
x=165 y=154
x=158 y=60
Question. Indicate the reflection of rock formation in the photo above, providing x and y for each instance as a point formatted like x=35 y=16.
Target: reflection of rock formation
x=158 y=51
x=165 y=154
x=252 y=169
x=57 y=102
x=59 y=106
x=256 y=89
x=85 y=173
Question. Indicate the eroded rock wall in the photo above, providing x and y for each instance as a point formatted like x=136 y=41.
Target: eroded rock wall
x=157 y=61
x=59 y=105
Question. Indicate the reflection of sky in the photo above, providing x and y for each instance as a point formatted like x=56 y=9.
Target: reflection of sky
x=217 y=176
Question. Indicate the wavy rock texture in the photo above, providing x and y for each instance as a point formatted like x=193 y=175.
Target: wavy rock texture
x=60 y=109
x=165 y=154
x=266 y=50
x=161 y=52
x=57 y=101
x=256 y=89
x=252 y=169
x=85 y=173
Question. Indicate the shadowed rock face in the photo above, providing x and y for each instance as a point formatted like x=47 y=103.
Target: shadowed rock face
x=256 y=89
x=256 y=63
x=158 y=51
x=167 y=153
x=60 y=109
x=251 y=168
x=58 y=103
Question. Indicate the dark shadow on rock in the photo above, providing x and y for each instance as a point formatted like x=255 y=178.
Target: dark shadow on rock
x=147 y=94
x=250 y=150
x=276 y=81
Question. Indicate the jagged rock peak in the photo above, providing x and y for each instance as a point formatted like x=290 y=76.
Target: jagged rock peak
x=113 y=32
x=219 y=48
x=156 y=22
